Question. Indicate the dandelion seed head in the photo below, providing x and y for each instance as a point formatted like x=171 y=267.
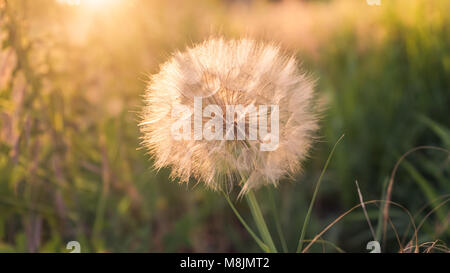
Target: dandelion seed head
x=230 y=72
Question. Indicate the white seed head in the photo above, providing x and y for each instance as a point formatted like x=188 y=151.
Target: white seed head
x=223 y=73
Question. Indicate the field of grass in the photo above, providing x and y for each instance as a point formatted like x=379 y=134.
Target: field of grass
x=72 y=79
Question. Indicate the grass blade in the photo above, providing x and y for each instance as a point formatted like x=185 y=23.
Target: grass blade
x=308 y=214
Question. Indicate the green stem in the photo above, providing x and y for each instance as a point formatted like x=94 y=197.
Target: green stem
x=316 y=190
x=277 y=221
x=259 y=220
x=260 y=243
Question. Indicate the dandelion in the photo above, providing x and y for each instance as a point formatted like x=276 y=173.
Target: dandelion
x=228 y=73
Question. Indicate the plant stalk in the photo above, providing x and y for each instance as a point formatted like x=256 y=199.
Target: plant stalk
x=259 y=221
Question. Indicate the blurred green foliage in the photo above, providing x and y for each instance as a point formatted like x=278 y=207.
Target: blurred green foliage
x=71 y=84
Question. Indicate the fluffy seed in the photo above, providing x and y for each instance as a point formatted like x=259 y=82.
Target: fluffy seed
x=223 y=73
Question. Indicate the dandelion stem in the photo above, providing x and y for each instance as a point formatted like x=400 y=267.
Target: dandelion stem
x=316 y=190
x=259 y=220
x=260 y=243
x=277 y=221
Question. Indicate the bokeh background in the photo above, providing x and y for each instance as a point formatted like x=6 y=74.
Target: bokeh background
x=72 y=76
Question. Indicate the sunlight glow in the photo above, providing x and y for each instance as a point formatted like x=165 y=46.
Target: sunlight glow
x=69 y=2
x=96 y=4
x=91 y=4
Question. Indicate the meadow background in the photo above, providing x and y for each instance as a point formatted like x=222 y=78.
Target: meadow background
x=71 y=84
